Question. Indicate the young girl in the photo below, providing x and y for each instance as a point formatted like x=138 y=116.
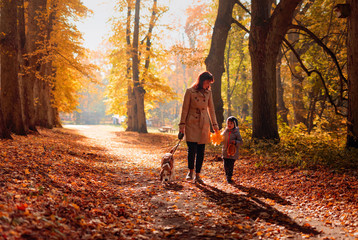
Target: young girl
x=231 y=143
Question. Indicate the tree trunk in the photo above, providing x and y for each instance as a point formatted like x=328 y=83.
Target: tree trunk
x=131 y=105
x=131 y=110
x=299 y=110
x=215 y=60
x=281 y=107
x=352 y=69
x=56 y=118
x=266 y=35
x=22 y=60
x=228 y=89
x=33 y=38
x=10 y=85
x=139 y=92
x=44 y=108
x=149 y=39
x=55 y=114
x=4 y=132
x=311 y=110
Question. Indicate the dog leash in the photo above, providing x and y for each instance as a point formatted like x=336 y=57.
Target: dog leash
x=180 y=136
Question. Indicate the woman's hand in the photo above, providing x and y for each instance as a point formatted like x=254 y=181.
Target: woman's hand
x=216 y=129
x=182 y=128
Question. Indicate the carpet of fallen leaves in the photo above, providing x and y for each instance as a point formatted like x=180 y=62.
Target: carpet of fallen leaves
x=97 y=182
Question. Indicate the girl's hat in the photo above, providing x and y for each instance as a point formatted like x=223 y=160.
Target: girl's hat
x=234 y=120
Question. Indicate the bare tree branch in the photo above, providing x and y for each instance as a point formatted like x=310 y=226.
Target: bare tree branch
x=325 y=48
x=240 y=25
x=309 y=74
x=243 y=7
x=288 y=63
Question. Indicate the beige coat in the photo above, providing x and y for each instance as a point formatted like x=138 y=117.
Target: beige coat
x=195 y=117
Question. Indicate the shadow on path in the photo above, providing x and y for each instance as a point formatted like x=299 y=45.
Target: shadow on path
x=255 y=192
x=253 y=208
x=173 y=186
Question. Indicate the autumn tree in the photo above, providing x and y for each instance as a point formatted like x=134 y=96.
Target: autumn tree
x=133 y=58
x=215 y=60
x=309 y=96
x=266 y=35
x=320 y=58
x=138 y=89
x=63 y=67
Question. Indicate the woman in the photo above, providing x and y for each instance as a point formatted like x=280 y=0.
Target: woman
x=195 y=122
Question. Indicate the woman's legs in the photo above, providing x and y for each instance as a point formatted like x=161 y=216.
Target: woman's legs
x=195 y=150
x=199 y=157
x=192 y=149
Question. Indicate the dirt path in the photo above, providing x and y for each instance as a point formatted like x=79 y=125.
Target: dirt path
x=260 y=205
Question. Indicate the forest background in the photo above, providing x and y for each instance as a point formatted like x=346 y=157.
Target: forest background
x=45 y=70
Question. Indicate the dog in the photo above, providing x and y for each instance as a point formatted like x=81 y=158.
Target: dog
x=167 y=168
x=167 y=164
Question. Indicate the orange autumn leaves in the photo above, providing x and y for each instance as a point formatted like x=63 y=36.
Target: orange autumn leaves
x=216 y=138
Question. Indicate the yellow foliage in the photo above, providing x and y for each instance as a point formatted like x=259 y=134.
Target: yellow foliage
x=157 y=89
x=69 y=58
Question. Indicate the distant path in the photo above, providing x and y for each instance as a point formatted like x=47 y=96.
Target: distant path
x=214 y=210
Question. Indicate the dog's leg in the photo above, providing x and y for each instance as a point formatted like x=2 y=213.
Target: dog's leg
x=161 y=175
x=173 y=171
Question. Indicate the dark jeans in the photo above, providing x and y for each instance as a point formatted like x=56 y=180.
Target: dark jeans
x=195 y=150
x=229 y=167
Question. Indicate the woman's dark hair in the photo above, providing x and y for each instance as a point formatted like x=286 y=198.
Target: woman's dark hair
x=198 y=84
x=233 y=120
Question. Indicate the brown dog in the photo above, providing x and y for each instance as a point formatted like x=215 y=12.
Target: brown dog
x=167 y=168
x=167 y=164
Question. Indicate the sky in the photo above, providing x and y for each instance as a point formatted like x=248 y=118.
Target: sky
x=95 y=28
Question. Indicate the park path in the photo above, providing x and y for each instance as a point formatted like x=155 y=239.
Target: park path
x=215 y=209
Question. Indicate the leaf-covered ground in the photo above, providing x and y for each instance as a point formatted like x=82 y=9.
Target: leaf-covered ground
x=96 y=182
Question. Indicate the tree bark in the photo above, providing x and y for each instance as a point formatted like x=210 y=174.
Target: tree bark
x=299 y=110
x=33 y=38
x=10 y=85
x=149 y=39
x=281 y=107
x=138 y=89
x=56 y=118
x=215 y=60
x=266 y=35
x=352 y=69
x=44 y=110
x=311 y=110
x=131 y=105
x=22 y=60
x=4 y=132
x=228 y=89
